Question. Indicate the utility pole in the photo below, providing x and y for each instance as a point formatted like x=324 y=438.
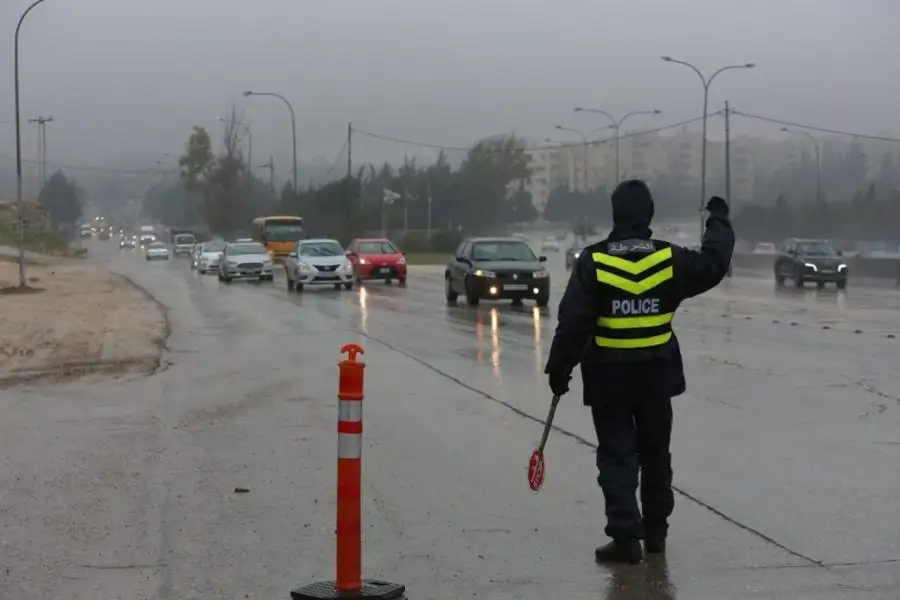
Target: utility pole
x=405 y=196
x=42 y=147
x=348 y=181
x=271 y=167
x=727 y=154
x=349 y=149
x=428 y=179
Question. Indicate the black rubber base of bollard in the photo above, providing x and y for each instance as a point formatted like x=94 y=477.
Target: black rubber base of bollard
x=326 y=590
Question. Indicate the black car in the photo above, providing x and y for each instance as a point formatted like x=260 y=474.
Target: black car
x=496 y=269
x=810 y=260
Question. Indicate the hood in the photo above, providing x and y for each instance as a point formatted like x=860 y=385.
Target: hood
x=210 y=254
x=503 y=266
x=337 y=259
x=632 y=211
x=241 y=258
x=823 y=260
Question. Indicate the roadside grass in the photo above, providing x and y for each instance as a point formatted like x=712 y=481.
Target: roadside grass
x=49 y=243
x=14 y=290
x=427 y=258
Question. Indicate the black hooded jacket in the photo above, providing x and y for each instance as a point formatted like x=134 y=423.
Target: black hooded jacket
x=695 y=273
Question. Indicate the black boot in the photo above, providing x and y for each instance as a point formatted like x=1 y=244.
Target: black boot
x=620 y=551
x=655 y=545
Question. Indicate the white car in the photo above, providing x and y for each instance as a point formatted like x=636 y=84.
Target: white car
x=765 y=248
x=206 y=256
x=245 y=260
x=156 y=251
x=318 y=262
x=550 y=244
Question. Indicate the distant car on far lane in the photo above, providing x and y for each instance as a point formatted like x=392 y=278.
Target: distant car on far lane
x=377 y=258
x=550 y=244
x=245 y=260
x=156 y=251
x=494 y=269
x=575 y=248
x=127 y=242
x=318 y=262
x=765 y=248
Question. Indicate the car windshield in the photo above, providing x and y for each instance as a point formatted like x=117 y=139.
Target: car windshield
x=156 y=245
x=502 y=251
x=380 y=247
x=321 y=249
x=284 y=232
x=816 y=249
x=213 y=247
x=251 y=248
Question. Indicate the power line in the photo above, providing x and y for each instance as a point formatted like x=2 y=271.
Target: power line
x=879 y=138
x=336 y=159
x=95 y=167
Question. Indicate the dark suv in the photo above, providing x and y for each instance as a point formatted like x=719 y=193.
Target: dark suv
x=810 y=260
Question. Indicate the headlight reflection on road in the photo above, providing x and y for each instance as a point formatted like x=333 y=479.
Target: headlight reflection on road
x=538 y=349
x=363 y=309
x=495 y=342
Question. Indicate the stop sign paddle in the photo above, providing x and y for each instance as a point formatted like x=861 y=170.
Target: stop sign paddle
x=536 y=464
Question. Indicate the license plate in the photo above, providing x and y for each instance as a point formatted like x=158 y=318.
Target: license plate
x=515 y=287
x=384 y=271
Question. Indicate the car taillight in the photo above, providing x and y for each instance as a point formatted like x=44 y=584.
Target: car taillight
x=401 y=260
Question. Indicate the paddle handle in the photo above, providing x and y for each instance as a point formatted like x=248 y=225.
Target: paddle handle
x=549 y=424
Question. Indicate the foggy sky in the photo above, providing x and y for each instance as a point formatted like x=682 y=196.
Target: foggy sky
x=126 y=79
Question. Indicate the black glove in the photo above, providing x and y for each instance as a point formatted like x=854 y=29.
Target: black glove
x=559 y=381
x=717 y=206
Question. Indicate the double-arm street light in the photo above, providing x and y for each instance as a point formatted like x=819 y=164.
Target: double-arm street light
x=293 y=125
x=707 y=81
x=584 y=141
x=617 y=125
x=815 y=142
x=19 y=206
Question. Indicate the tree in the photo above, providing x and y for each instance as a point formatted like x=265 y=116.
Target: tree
x=520 y=206
x=173 y=205
x=60 y=198
x=198 y=159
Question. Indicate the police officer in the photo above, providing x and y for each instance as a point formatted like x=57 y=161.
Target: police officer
x=615 y=318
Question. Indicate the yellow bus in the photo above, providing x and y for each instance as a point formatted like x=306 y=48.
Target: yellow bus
x=278 y=234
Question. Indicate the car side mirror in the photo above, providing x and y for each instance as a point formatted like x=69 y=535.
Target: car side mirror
x=463 y=260
x=840 y=252
x=542 y=259
x=351 y=254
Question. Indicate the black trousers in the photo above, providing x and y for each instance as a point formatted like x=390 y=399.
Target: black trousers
x=634 y=429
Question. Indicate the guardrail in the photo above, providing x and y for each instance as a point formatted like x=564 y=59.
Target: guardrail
x=859 y=266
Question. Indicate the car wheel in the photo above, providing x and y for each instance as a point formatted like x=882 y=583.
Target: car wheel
x=270 y=277
x=842 y=284
x=543 y=300
x=348 y=286
x=402 y=282
x=820 y=285
x=337 y=287
x=226 y=279
x=219 y=273
x=290 y=282
x=448 y=290
x=471 y=297
x=387 y=281
x=798 y=280
x=299 y=287
x=779 y=279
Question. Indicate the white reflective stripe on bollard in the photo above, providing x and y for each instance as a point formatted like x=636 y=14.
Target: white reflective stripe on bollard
x=350 y=410
x=349 y=445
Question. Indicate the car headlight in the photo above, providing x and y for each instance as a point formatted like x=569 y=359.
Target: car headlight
x=576 y=254
x=484 y=273
x=542 y=274
x=345 y=266
x=402 y=260
x=363 y=261
x=230 y=263
x=811 y=266
x=304 y=267
x=841 y=267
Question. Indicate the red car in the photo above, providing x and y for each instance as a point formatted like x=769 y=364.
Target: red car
x=377 y=258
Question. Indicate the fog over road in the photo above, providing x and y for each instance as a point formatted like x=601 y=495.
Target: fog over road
x=785 y=448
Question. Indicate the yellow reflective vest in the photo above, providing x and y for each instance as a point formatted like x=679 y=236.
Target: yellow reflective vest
x=637 y=298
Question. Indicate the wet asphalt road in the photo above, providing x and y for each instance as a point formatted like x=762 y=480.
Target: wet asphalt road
x=786 y=446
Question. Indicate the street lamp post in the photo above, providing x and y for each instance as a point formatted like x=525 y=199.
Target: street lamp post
x=293 y=125
x=815 y=142
x=707 y=81
x=617 y=125
x=584 y=158
x=19 y=205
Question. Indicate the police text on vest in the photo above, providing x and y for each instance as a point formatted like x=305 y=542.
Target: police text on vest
x=636 y=306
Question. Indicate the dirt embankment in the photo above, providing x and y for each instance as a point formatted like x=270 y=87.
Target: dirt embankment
x=78 y=321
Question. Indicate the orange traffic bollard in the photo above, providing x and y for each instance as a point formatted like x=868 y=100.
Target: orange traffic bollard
x=349 y=582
